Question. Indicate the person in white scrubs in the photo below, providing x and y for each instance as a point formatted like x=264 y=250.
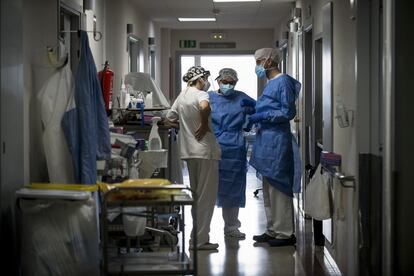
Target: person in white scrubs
x=199 y=148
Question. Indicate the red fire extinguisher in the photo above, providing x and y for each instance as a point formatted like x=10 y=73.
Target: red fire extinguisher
x=106 y=77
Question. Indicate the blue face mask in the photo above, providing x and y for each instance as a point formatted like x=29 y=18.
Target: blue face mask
x=260 y=71
x=226 y=89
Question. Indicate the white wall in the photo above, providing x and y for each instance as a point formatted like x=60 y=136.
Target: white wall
x=118 y=14
x=344 y=139
x=165 y=55
x=97 y=47
x=39 y=31
x=12 y=129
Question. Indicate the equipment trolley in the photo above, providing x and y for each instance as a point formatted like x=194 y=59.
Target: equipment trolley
x=159 y=201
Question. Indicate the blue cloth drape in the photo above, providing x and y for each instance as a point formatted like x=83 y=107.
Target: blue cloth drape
x=86 y=126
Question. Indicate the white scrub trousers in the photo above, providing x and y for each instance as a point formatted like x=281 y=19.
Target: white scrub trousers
x=204 y=180
x=231 y=219
x=279 y=212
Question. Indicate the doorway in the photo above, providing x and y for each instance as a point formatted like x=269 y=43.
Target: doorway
x=244 y=65
x=135 y=54
x=307 y=110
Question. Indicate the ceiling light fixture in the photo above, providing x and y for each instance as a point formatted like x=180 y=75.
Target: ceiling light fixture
x=187 y=19
x=220 y=1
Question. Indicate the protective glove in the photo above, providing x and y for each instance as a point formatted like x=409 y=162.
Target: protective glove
x=249 y=110
x=258 y=117
x=247 y=126
x=247 y=102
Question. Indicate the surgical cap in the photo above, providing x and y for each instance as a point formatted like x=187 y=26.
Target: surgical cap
x=265 y=53
x=194 y=73
x=227 y=73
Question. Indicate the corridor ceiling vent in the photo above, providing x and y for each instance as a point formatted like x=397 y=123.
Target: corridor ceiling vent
x=222 y=1
x=193 y=19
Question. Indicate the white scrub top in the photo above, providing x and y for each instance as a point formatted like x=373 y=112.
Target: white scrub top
x=186 y=110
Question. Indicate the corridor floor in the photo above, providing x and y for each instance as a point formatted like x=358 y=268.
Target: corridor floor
x=245 y=257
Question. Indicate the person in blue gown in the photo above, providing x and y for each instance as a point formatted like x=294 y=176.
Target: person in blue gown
x=228 y=119
x=275 y=152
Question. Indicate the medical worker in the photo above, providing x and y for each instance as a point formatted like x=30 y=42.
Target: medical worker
x=228 y=120
x=273 y=152
x=199 y=148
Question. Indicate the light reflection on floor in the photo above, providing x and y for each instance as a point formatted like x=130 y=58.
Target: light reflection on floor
x=243 y=257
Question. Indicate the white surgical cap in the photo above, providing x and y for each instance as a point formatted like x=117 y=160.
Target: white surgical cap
x=265 y=53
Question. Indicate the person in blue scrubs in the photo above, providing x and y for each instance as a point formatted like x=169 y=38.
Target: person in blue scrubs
x=273 y=154
x=228 y=120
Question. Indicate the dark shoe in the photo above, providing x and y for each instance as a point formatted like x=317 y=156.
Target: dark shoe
x=206 y=246
x=263 y=238
x=283 y=242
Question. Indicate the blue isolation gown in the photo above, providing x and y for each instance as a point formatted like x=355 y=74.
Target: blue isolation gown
x=86 y=126
x=273 y=154
x=228 y=119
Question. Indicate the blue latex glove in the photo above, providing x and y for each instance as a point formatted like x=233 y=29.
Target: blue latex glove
x=249 y=110
x=247 y=102
x=258 y=117
x=247 y=126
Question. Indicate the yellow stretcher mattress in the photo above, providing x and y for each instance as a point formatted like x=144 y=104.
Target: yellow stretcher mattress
x=140 y=189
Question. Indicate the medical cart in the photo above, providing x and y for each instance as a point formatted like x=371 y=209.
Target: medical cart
x=159 y=202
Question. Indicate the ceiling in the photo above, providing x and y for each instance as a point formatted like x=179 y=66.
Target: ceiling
x=264 y=14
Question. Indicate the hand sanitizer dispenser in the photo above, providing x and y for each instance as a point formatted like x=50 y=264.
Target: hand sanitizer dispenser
x=154 y=142
x=148 y=100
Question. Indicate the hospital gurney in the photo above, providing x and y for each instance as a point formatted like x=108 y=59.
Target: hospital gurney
x=157 y=200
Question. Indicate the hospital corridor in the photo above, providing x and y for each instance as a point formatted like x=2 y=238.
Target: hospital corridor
x=206 y=137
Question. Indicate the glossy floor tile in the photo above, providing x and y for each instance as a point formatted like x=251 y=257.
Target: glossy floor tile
x=245 y=257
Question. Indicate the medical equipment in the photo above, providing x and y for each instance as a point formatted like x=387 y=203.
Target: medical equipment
x=144 y=83
x=154 y=138
x=148 y=100
x=160 y=248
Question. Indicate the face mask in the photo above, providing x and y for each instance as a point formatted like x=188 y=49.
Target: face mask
x=226 y=89
x=260 y=71
x=206 y=85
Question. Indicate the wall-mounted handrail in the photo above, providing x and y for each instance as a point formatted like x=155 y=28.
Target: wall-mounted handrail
x=341 y=177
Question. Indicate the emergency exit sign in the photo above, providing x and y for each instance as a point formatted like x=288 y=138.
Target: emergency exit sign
x=188 y=44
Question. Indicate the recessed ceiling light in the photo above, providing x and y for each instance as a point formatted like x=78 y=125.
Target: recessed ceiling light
x=184 y=19
x=237 y=0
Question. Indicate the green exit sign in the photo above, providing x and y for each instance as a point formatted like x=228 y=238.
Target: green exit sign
x=188 y=44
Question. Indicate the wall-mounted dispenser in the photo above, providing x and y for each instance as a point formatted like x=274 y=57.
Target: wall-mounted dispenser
x=344 y=116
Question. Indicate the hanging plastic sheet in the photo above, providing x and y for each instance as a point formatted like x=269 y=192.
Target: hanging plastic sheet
x=55 y=95
x=59 y=231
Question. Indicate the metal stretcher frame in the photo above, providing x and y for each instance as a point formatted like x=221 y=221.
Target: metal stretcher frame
x=189 y=198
